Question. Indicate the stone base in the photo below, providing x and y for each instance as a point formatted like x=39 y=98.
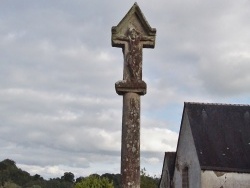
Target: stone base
x=124 y=86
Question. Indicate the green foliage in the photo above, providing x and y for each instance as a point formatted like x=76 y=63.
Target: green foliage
x=94 y=181
x=9 y=162
x=115 y=178
x=10 y=173
x=10 y=185
x=58 y=183
x=79 y=179
x=69 y=177
x=148 y=181
x=13 y=177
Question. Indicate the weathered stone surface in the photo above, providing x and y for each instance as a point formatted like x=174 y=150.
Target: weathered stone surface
x=124 y=86
x=130 y=158
x=132 y=34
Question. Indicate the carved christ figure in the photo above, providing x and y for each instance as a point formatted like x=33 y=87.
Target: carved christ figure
x=133 y=57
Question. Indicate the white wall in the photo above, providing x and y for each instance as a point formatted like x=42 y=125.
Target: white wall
x=211 y=179
x=186 y=156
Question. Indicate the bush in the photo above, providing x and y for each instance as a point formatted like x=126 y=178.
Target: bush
x=94 y=182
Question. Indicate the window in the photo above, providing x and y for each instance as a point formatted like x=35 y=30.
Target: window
x=185 y=182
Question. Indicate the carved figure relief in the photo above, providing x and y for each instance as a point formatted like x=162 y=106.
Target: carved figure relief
x=134 y=41
x=134 y=56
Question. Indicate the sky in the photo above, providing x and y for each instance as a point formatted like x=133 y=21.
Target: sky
x=59 y=111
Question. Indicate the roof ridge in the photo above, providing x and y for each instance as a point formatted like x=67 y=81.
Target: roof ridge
x=218 y=104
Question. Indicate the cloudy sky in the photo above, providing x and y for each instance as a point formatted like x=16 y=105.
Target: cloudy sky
x=58 y=107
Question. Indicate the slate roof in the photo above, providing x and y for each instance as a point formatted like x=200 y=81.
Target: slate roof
x=168 y=166
x=170 y=160
x=221 y=135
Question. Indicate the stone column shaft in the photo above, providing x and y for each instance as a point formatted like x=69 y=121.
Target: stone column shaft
x=130 y=158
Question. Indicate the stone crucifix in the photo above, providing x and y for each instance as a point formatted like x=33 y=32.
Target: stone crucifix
x=132 y=34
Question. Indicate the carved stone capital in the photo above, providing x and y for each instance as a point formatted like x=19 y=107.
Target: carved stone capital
x=126 y=86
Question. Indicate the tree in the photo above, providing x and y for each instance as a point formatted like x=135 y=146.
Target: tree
x=115 y=178
x=147 y=181
x=69 y=177
x=79 y=179
x=37 y=177
x=9 y=162
x=94 y=182
x=10 y=185
x=58 y=183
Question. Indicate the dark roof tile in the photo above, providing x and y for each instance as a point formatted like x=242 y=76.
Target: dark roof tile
x=221 y=134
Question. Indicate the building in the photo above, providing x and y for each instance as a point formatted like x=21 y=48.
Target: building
x=213 y=148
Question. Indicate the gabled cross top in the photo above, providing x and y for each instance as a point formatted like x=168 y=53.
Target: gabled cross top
x=132 y=34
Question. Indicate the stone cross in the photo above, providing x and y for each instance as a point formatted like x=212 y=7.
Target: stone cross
x=132 y=34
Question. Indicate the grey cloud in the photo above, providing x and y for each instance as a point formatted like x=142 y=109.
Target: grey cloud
x=58 y=69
